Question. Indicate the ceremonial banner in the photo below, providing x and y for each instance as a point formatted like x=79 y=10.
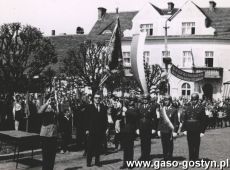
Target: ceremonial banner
x=114 y=52
x=114 y=48
x=137 y=60
x=183 y=75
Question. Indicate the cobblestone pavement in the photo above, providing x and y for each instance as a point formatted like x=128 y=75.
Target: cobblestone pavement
x=215 y=145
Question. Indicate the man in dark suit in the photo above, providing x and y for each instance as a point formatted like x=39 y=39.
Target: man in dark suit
x=168 y=126
x=96 y=127
x=147 y=125
x=194 y=125
x=128 y=126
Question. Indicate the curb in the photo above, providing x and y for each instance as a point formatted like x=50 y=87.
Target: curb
x=23 y=154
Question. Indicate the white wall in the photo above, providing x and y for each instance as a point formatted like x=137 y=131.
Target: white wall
x=149 y=15
x=176 y=47
x=189 y=13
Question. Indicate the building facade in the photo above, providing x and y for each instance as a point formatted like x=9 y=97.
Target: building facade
x=198 y=39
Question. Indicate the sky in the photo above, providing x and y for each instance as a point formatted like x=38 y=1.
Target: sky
x=64 y=16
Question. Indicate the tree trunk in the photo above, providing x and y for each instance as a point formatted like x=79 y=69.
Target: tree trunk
x=93 y=94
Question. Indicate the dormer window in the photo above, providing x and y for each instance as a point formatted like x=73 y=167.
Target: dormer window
x=188 y=28
x=148 y=28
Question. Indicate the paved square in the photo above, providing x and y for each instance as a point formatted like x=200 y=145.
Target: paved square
x=215 y=145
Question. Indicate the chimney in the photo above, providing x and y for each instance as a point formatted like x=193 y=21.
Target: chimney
x=170 y=6
x=117 y=10
x=101 y=12
x=53 y=32
x=212 y=5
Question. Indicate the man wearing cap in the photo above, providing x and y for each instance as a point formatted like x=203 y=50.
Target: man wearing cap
x=168 y=127
x=193 y=125
x=146 y=126
x=95 y=129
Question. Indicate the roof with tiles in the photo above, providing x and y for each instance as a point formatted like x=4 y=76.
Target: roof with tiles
x=219 y=19
x=164 y=11
x=68 y=42
x=62 y=44
x=109 y=20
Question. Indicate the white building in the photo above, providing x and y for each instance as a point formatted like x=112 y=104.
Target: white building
x=198 y=40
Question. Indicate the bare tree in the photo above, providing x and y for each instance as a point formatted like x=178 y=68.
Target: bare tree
x=153 y=75
x=89 y=64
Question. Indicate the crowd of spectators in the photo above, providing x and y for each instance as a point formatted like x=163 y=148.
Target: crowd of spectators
x=17 y=114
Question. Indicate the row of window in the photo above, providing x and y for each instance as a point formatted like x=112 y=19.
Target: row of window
x=187 y=28
x=187 y=60
x=127 y=59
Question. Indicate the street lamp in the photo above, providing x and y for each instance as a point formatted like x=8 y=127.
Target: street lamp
x=166 y=58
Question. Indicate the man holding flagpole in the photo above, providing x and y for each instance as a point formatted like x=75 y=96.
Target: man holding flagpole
x=168 y=127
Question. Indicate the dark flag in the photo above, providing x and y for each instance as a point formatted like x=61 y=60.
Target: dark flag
x=114 y=52
x=114 y=47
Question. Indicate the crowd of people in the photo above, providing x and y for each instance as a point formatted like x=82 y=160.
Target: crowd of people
x=102 y=121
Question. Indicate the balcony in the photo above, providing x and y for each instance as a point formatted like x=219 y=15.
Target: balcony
x=210 y=72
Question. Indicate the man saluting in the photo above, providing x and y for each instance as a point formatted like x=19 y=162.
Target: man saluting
x=193 y=125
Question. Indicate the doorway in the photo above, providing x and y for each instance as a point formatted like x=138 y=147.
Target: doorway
x=208 y=91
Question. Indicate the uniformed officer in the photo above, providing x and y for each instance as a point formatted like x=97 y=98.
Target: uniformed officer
x=168 y=126
x=193 y=120
x=127 y=130
x=147 y=125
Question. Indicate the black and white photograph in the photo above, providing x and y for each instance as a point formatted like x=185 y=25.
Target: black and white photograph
x=114 y=84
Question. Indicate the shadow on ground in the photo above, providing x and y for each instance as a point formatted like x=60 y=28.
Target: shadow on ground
x=106 y=162
x=156 y=156
x=74 y=168
x=178 y=158
x=206 y=159
x=30 y=162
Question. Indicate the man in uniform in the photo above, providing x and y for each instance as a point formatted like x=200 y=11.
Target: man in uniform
x=193 y=120
x=95 y=129
x=166 y=131
x=147 y=126
x=128 y=126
